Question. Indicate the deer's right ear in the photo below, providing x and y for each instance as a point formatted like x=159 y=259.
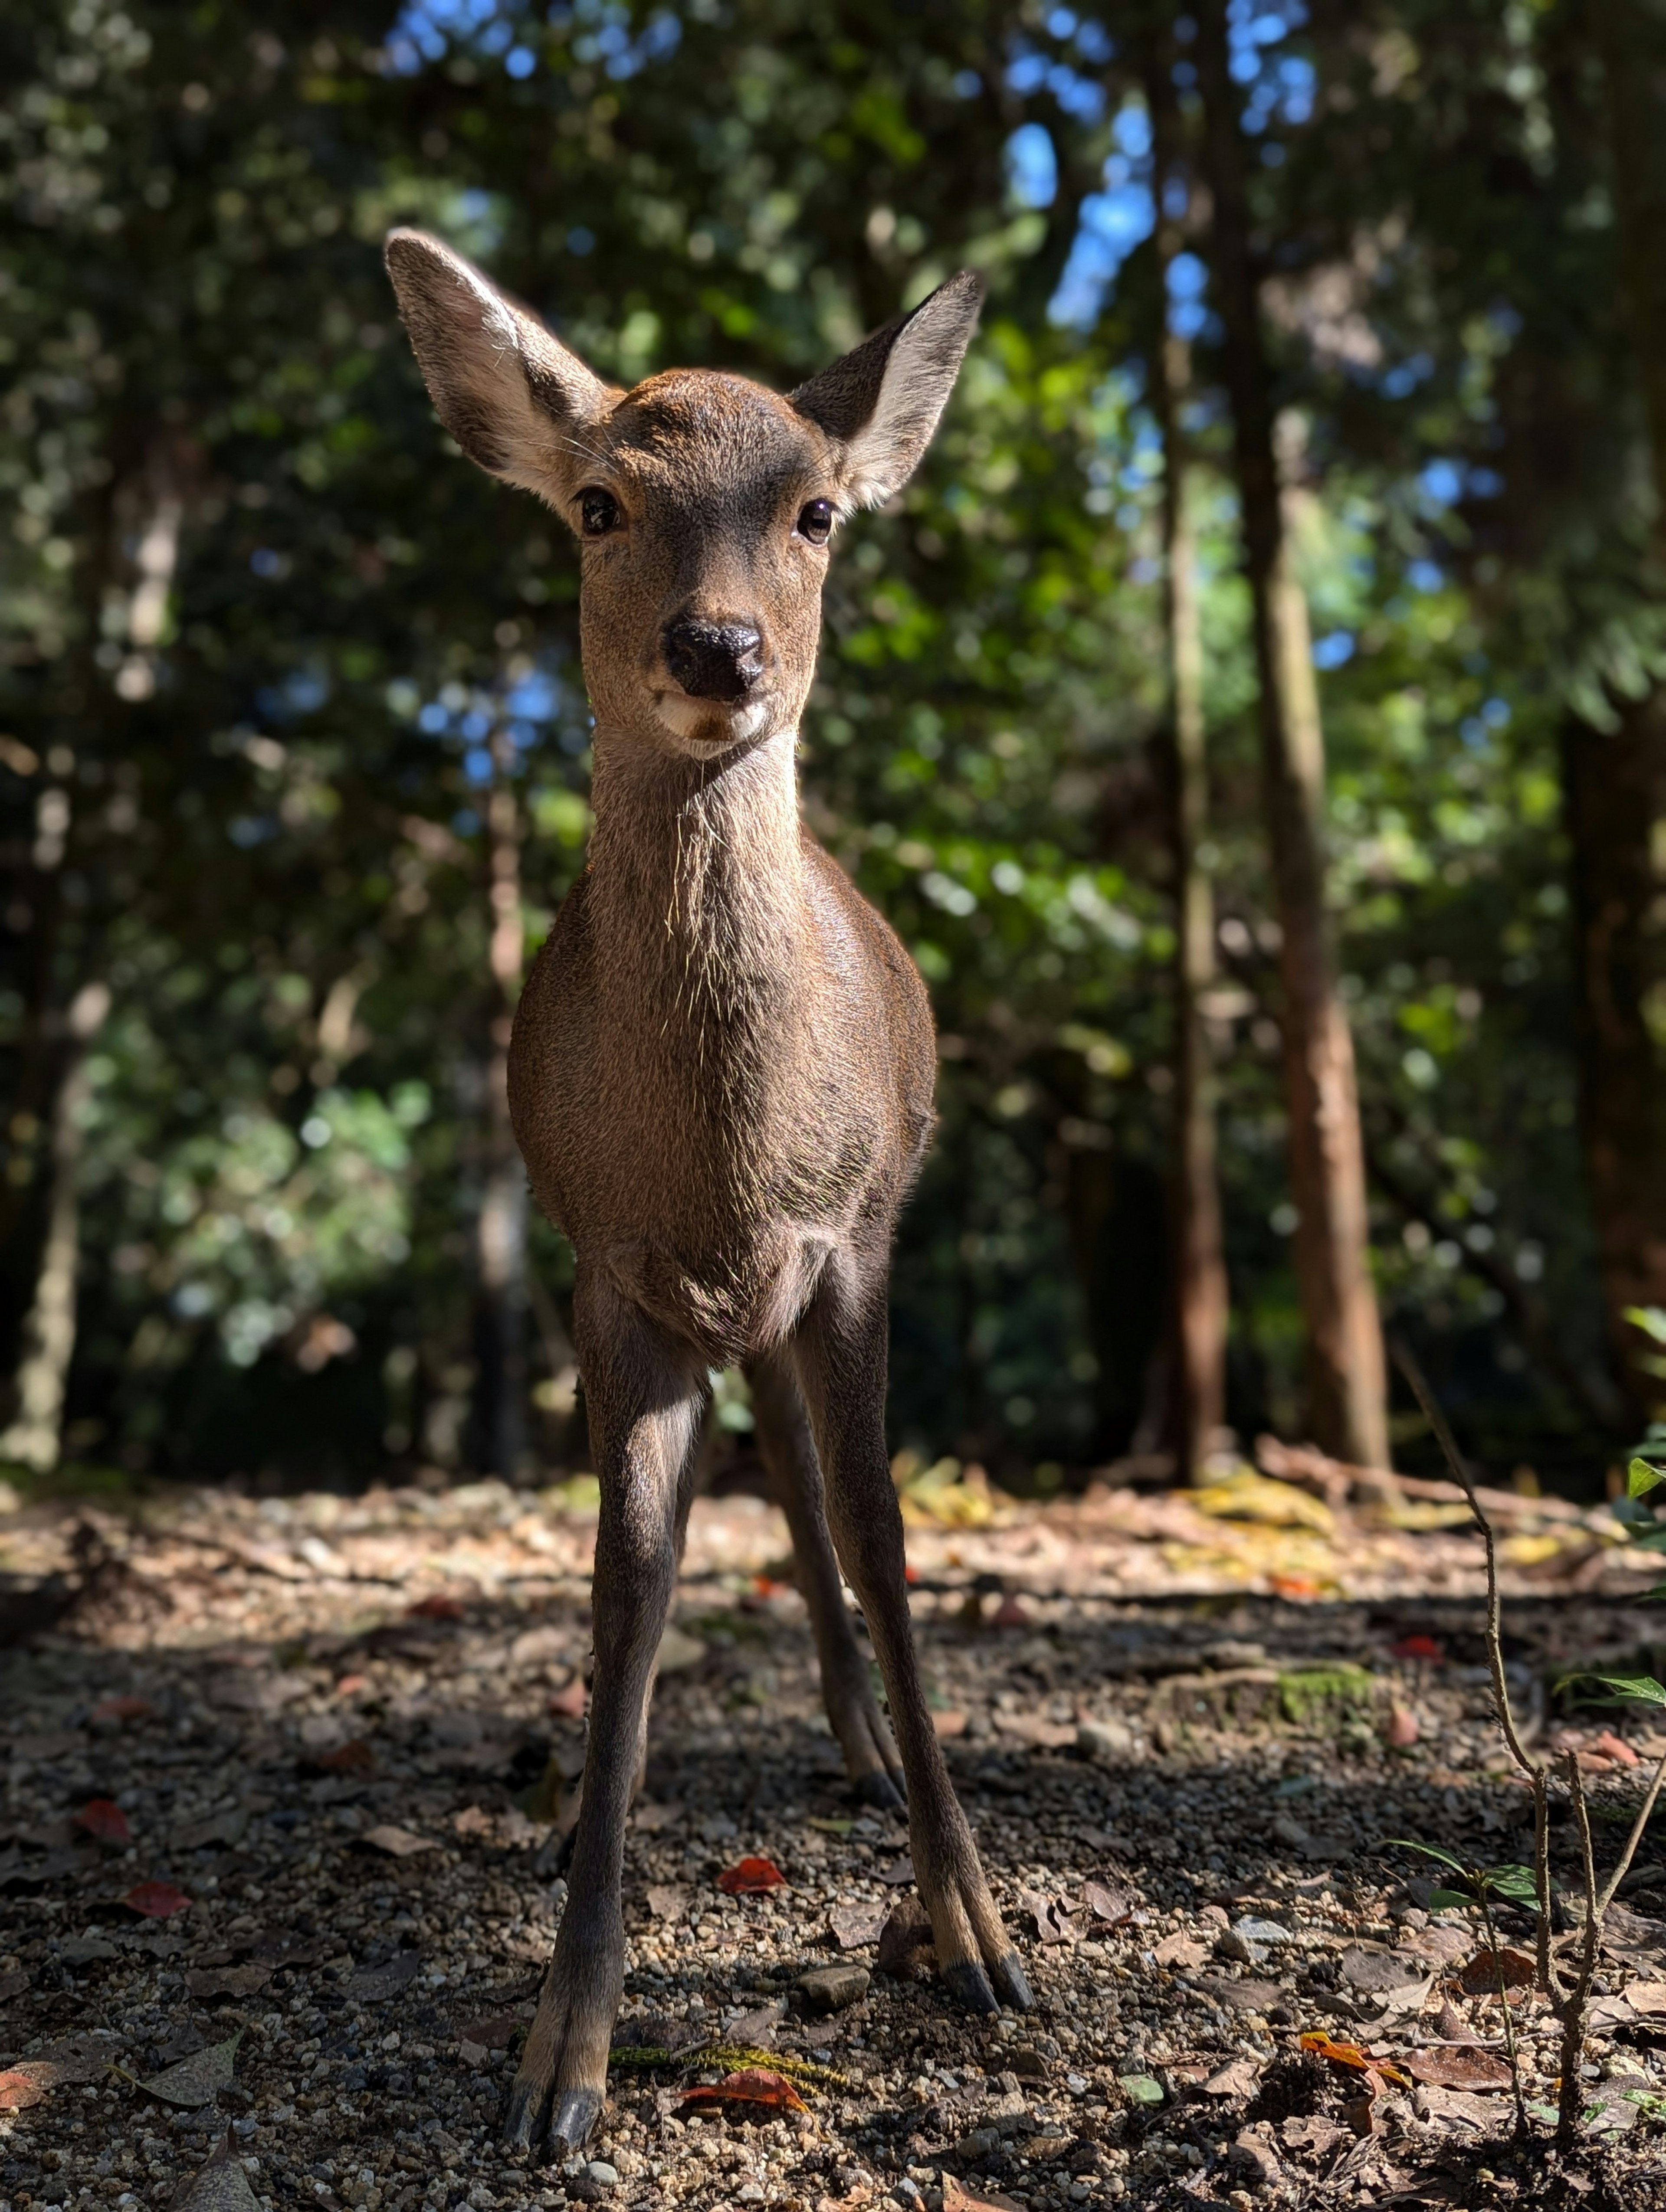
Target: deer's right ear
x=512 y=397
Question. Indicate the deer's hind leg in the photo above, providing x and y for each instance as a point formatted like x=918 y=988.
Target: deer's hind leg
x=645 y=1395
x=841 y=1354
x=796 y=1478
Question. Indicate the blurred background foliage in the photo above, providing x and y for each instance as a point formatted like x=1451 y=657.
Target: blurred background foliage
x=286 y=689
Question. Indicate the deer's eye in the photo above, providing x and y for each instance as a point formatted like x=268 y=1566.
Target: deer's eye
x=816 y=521
x=598 y=511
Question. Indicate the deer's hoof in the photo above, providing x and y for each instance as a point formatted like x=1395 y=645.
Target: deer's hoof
x=969 y=1986
x=1012 y=1983
x=575 y=2115
x=571 y=2116
x=877 y=1788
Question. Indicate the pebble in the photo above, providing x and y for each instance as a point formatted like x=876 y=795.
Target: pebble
x=833 y=1989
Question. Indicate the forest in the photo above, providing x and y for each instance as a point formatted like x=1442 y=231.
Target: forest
x=1253 y=716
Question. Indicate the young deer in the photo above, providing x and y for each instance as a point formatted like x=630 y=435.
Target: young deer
x=722 y=1066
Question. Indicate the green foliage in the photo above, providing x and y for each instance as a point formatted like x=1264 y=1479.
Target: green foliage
x=271 y=818
x=1635 y=1689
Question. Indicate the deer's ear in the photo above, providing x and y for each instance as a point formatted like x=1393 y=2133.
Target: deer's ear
x=512 y=397
x=882 y=402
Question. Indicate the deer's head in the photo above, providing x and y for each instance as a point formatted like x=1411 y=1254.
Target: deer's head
x=703 y=503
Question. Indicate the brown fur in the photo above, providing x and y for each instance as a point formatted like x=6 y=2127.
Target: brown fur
x=723 y=1067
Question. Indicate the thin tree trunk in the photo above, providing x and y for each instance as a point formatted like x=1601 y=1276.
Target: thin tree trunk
x=34 y=1436
x=1614 y=783
x=1198 y=1288
x=501 y=1247
x=1346 y=1384
x=1613 y=787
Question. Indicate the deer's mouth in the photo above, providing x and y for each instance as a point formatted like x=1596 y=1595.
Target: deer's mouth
x=702 y=726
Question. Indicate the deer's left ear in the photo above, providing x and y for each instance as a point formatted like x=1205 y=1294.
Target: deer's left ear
x=512 y=395
x=882 y=401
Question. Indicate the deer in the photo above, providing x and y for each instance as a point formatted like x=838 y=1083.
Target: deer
x=723 y=1062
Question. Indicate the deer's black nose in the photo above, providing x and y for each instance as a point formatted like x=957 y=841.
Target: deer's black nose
x=714 y=660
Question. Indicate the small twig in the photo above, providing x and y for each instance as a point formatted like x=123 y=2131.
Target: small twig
x=1510 y=2050
x=1548 y=1980
x=1631 y=1842
x=1425 y=1398
x=1573 y=2018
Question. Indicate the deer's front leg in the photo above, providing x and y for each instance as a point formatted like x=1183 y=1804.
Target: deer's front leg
x=644 y=1398
x=795 y=1477
x=841 y=1349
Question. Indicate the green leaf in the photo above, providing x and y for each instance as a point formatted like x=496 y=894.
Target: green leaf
x=1642 y=1688
x=1443 y=1900
x=1141 y=2088
x=1651 y=1320
x=1641 y=1478
x=1430 y=1851
x=1515 y=1884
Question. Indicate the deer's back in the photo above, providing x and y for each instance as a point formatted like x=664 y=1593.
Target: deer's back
x=707 y=1121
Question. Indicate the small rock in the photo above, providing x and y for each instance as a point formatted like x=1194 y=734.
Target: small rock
x=1259 y=1931
x=1401 y=1731
x=833 y=1989
x=1026 y=2062
x=977 y=2146
x=606 y=2176
x=1105 y=1740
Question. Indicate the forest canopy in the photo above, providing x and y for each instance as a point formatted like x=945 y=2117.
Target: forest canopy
x=1330 y=338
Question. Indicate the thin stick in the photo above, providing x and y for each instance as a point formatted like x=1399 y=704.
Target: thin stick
x=1548 y=1980
x=1504 y=1999
x=1631 y=1842
x=1425 y=1398
x=1573 y=2019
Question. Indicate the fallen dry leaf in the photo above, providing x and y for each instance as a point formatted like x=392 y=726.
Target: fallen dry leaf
x=398 y=1843
x=372 y=1983
x=1350 y=2055
x=439 y=1607
x=1049 y=1916
x=199 y=2079
x=472 y=1820
x=957 y=2197
x=1237 y=2078
x=949 y=1724
x=21 y=2087
x=751 y=1877
x=666 y=1900
x=354 y=1758
x=103 y=1818
x=229 y=1981
x=898 y=1874
x=1647 y=1997
x=1106 y=1902
x=221 y=2186
x=1403 y=1728
x=1481 y=1977
x=496 y=2032
x=854 y=1926
x=121 y=1709
x=751 y=2085
x=905 y=1940
x=1465 y=2068
x=156 y=1900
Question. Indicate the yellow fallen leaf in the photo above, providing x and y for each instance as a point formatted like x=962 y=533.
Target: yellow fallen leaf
x=1533 y=1551
x=1247 y=1495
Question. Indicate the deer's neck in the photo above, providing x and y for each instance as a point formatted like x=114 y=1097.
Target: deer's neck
x=694 y=885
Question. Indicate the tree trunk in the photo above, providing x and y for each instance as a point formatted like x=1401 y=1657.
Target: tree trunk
x=34 y=1436
x=1198 y=1290
x=1346 y=1393
x=501 y=1305
x=1614 y=785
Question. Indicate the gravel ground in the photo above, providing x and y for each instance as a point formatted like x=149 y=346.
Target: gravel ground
x=341 y=1731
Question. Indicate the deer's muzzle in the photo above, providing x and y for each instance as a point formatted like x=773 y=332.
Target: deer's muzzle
x=714 y=660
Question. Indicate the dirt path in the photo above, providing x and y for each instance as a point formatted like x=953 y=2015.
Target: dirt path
x=340 y=1730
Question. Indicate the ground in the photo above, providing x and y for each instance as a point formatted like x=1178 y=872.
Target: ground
x=342 y=1730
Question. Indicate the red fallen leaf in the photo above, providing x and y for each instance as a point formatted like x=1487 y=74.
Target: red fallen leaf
x=911 y=1574
x=1350 y=2055
x=1614 y=1747
x=1418 y=1647
x=1293 y=1586
x=769 y=1586
x=19 y=2090
x=752 y=2085
x=121 y=1709
x=437 y=1608
x=751 y=1877
x=350 y=1684
x=156 y=1900
x=103 y=1818
x=569 y=1702
x=353 y=1758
